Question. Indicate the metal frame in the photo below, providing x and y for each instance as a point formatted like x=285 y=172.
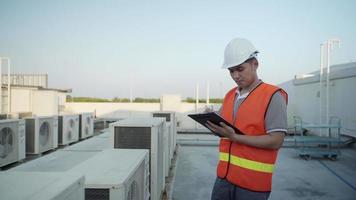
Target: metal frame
x=322 y=145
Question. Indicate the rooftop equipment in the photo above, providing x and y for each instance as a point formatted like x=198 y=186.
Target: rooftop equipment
x=86 y=125
x=41 y=134
x=68 y=129
x=12 y=141
x=144 y=133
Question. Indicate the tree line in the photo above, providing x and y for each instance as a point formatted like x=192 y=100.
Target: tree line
x=136 y=100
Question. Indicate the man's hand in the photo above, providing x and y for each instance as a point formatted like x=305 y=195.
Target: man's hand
x=223 y=130
x=208 y=109
x=268 y=141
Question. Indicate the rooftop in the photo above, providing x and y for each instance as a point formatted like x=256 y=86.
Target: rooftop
x=294 y=177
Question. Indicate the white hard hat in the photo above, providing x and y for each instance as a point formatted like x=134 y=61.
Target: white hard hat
x=238 y=51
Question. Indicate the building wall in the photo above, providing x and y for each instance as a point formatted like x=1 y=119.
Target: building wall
x=20 y=100
x=305 y=101
x=45 y=102
x=344 y=104
x=32 y=100
x=124 y=110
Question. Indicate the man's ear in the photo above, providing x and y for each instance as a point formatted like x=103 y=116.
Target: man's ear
x=255 y=63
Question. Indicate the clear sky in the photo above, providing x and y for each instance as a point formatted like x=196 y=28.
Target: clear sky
x=101 y=48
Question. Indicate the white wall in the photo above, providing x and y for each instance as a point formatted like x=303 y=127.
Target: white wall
x=38 y=102
x=119 y=110
x=344 y=104
x=45 y=102
x=20 y=100
x=342 y=98
x=292 y=106
x=124 y=110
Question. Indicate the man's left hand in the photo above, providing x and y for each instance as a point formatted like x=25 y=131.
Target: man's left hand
x=223 y=130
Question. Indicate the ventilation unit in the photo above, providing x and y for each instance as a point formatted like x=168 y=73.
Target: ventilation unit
x=68 y=129
x=12 y=141
x=41 y=186
x=112 y=174
x=86 y=125
x=143 y=133
x=41 y=134
x=172 y=120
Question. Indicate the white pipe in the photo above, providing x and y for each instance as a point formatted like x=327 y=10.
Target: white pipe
x=8 y=88
x=196 y=102
x=327 y=78
x=8 y=85
x=0 y=84
x=207 y=94
x=196 y=98
x=321 y=83
x=131 y=98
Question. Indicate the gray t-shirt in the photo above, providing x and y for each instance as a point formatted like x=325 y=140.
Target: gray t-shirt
x=276 y=116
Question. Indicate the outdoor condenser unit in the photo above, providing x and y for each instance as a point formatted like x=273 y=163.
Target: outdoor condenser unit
x=167 y=147
x=116 y=174
x=172 y=120
x=68 y=129
x=143 y=133
x=111 y=174
x=41 y=186
x=86 y=125
x=12 y=141
x=91 y=144
x=41 y=134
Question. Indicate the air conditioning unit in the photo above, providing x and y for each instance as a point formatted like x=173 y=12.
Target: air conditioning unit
x=167 y=148
x=172 y=120
x=104 y=134
x=116 y=174
x=112 y=174
x=57 y=161
x=143 y=133
x=41 y=186
x=12 y=141
x=92 y=144
x=68 y=129
x=86 y=125
x=41 y=134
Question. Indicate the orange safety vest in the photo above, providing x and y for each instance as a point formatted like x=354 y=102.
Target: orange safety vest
x=246 y=166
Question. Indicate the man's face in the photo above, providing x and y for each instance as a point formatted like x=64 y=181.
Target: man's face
x=244 y=74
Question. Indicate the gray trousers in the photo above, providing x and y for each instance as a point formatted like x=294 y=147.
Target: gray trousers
x=224 y=190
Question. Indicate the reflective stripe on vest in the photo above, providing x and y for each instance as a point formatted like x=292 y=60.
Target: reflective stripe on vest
x=248 y=164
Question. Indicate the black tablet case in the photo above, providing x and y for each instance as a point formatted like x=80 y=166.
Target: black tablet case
x=203 y=118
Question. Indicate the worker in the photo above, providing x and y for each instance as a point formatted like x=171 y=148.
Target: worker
x=258 y=110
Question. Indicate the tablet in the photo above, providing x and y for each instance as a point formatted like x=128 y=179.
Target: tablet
x=214 y=118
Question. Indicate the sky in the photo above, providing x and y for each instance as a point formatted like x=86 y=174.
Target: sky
x=107 y=48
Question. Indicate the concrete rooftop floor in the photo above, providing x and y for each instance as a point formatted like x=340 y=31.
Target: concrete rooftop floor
x=294 y=177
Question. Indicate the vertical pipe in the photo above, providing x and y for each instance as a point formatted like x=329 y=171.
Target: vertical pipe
x=46 y=80
x=196 y=98
x=327 y=79
x=321 y=83
x=207 y=94
x=196 y=102
x=221 y=90
x=0 y=85
x=8 y=88
x=131 y=91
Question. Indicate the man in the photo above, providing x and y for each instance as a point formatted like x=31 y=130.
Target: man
x=258 y=110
